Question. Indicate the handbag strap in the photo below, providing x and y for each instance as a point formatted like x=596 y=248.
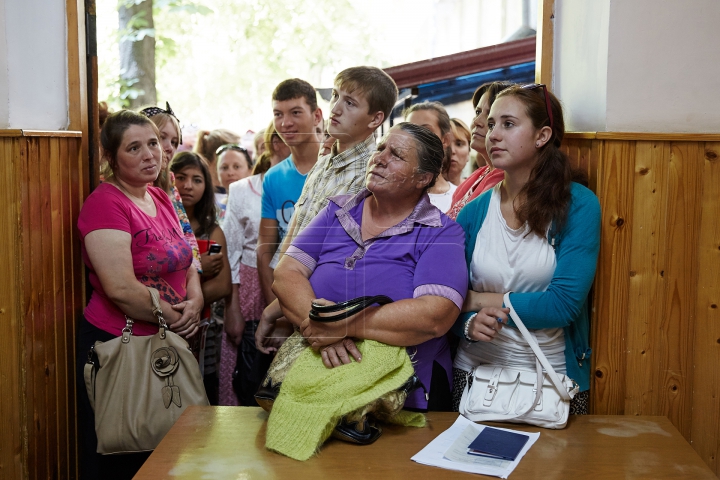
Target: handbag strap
x=345 y=309
x=530 y=338
x=156 y=309
x=157 y=312
x=89 y=373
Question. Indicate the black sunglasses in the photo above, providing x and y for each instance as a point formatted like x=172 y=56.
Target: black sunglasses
x=548 y=105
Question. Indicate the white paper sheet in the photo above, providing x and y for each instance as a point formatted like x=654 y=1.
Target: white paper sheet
x=449 y=450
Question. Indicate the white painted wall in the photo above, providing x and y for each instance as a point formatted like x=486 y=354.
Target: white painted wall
x=4 y=92
x=638 y=65
x=34 y=89
x=664 y=66
x=580 y=63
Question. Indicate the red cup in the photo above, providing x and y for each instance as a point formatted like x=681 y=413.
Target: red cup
x=203 y=245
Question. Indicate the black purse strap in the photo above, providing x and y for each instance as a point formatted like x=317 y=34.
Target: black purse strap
x=343 y=310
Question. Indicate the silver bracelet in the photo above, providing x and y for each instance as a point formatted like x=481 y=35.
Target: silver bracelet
x=467 y=327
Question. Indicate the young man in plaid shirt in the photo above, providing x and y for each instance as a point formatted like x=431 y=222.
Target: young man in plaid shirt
x=362 y=98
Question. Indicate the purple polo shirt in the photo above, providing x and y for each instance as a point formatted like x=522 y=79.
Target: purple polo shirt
x=422 y=255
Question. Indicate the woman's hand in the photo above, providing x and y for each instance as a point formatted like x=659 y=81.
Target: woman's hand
x=322 y=334
x=273 y=329
x=190 y=311
x=269 y=336
x=323 y=337
x=265 y=331
x=211 y=264
x=336 y=354
x=488 y=321
x=187 y=325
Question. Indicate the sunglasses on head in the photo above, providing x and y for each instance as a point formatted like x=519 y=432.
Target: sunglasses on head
x=230 y=146
x=548 y=104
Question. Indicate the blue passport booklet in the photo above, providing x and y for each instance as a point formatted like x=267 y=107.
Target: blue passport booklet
x=495 y=443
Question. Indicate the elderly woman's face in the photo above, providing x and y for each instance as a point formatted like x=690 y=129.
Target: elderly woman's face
x=393 y=165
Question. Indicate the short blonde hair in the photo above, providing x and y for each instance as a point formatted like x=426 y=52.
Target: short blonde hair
x=262 y=164
x=258 y=139
x=161 y=119
x=459 y=129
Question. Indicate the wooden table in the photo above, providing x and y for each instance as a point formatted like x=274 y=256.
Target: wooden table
x=229 y=443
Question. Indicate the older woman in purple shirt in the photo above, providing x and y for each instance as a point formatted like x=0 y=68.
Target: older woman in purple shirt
x=388 y=239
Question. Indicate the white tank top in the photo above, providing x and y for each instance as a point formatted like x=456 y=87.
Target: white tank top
x=507 y=260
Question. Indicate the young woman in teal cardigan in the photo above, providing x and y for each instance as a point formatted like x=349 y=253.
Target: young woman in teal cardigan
x=536 y=234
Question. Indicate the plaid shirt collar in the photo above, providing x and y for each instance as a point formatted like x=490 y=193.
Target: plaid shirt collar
x=340 y=160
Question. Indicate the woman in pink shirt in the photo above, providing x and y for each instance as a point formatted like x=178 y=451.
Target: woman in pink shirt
x=131 y=240
x=486 y=176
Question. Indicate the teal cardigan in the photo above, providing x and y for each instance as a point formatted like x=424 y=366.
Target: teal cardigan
x=564 y=303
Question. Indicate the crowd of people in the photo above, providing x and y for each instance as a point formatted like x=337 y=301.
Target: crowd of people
x=240 y=243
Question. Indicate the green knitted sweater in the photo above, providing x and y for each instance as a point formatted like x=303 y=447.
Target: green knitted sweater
x=313 y=398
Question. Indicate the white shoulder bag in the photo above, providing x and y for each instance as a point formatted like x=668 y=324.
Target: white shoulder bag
x=504 y=394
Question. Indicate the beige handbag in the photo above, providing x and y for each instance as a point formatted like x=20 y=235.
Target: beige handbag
x=139 y=386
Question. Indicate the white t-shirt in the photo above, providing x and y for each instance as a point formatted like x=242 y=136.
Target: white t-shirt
x=507 y=260
x=443 y=201
x=242 y=223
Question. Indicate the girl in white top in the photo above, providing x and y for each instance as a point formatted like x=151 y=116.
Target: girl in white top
x=443 y=201
x=511 y=247
x=233 y=164
x=511 y=260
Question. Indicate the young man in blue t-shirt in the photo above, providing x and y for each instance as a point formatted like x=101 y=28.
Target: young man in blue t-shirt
x=362 y=99
x=296 y=117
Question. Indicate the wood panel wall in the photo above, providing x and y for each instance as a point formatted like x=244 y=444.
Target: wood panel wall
x=655 y=319
x=40 y=298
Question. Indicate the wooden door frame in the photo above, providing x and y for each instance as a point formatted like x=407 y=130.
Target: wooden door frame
x=545 y=43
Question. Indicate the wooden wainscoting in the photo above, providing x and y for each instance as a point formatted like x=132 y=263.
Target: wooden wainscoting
x=655 y=319
x=41 y=295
